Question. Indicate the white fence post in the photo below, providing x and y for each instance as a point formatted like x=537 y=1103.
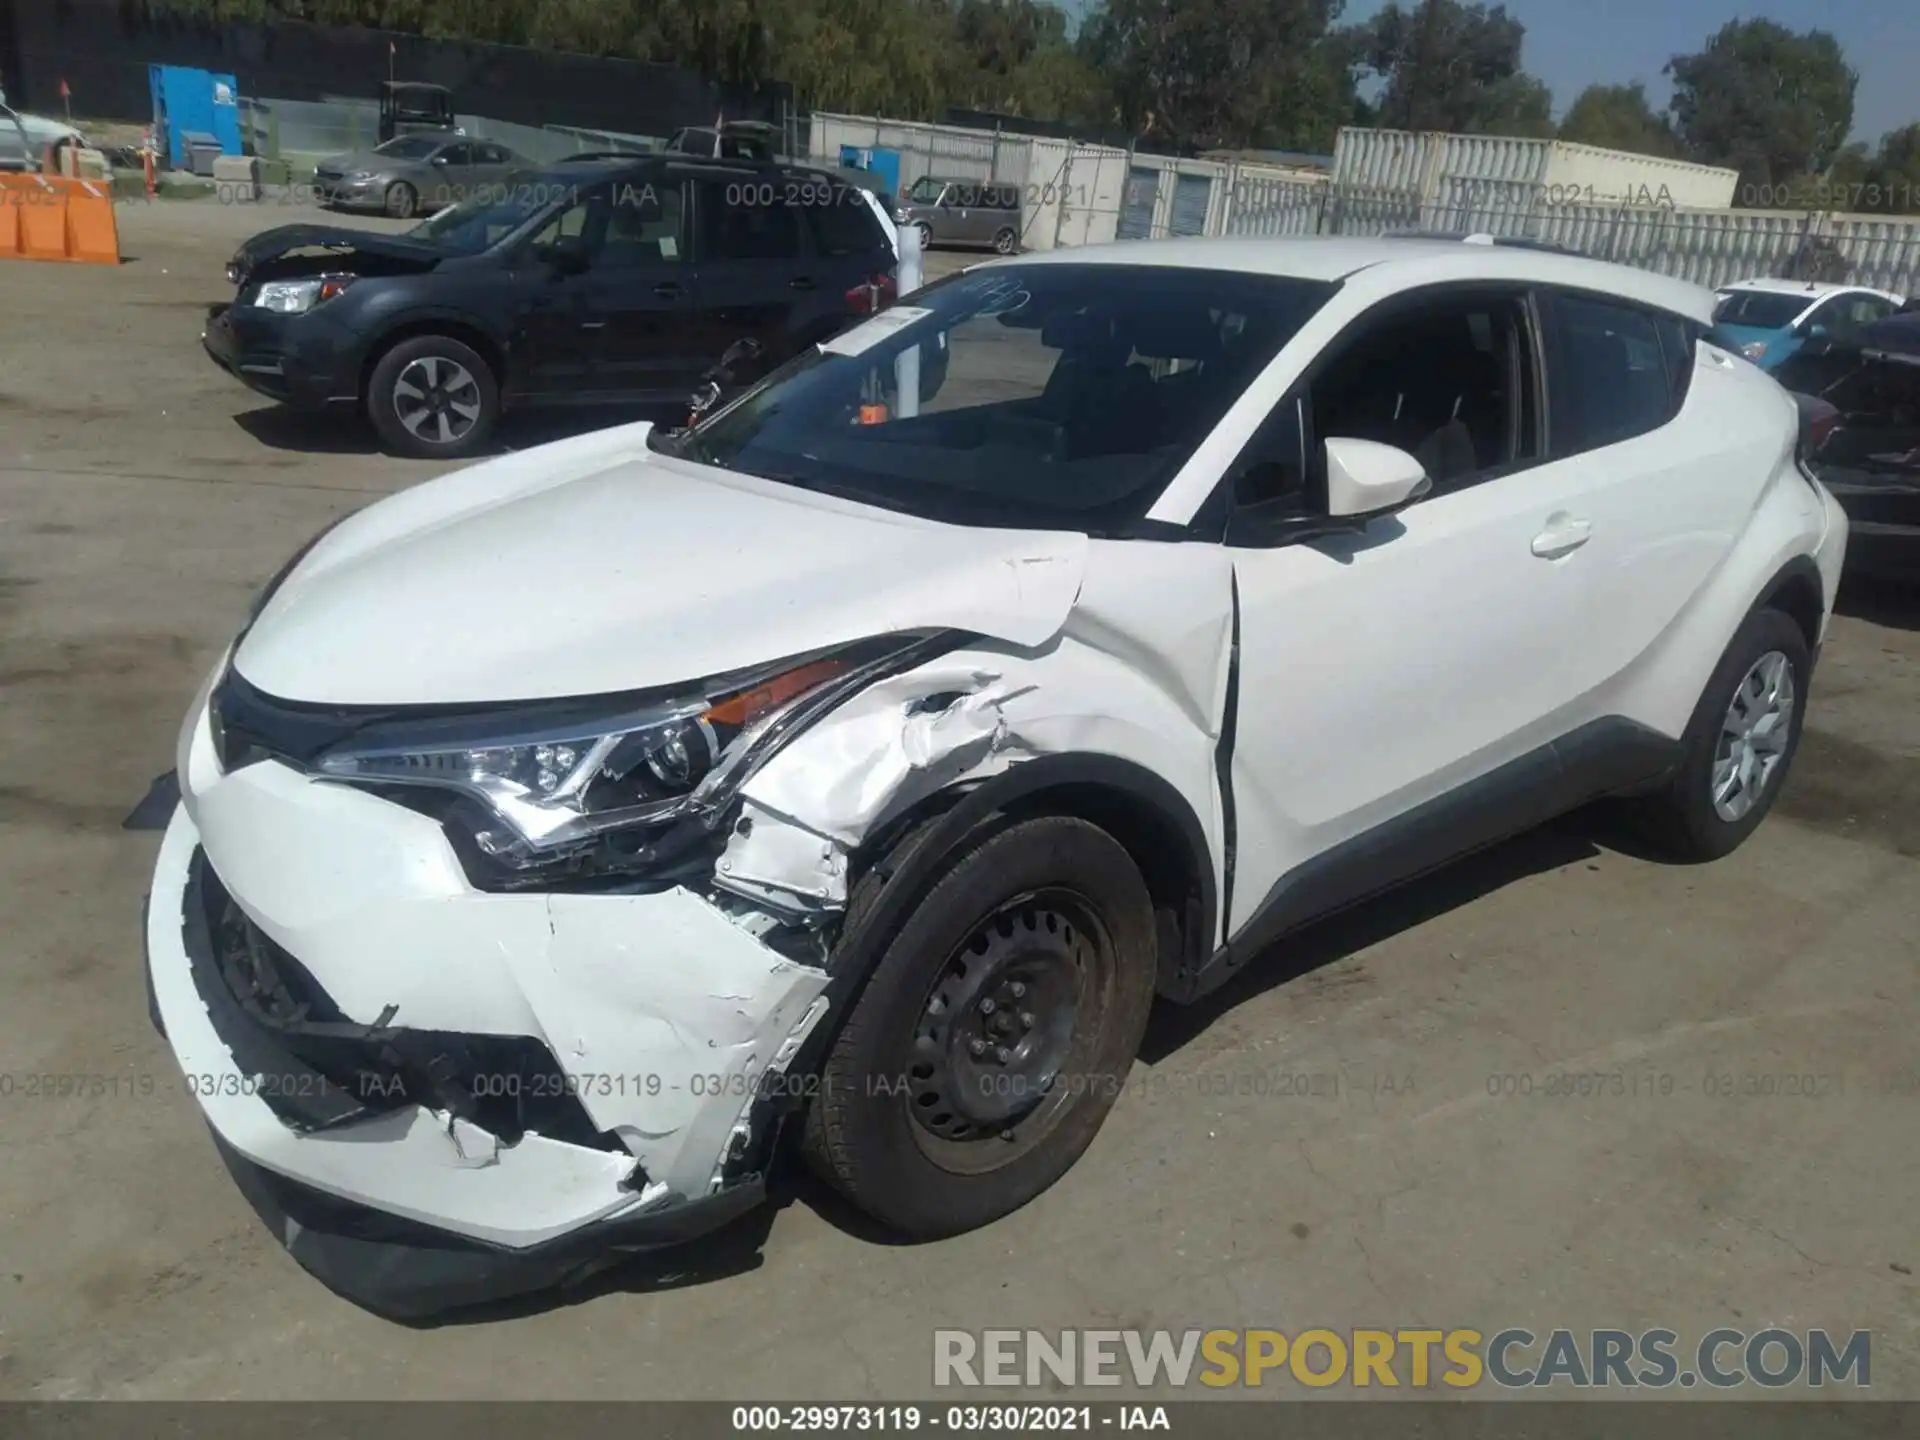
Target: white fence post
x=906 y=365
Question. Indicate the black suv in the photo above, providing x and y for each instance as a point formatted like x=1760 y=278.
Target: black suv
x=599 y=280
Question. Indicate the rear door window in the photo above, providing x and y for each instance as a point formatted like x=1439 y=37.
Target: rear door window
x=1759 y=309
x=1607 y=374
x=844 y=224
x=746 y=221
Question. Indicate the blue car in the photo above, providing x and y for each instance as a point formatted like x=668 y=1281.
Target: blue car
x=1769 y=320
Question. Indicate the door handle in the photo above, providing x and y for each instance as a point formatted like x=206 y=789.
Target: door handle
x=1564 y=534
x=801 y=282
x=670 y=290
x=593 y=324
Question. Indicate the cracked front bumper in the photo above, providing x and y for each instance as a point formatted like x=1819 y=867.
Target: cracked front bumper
x=660 y=1017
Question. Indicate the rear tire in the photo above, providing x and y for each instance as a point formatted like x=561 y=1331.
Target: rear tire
x=433 y=398
x=995 y=1034
x=1739 y=744
x=402 y=200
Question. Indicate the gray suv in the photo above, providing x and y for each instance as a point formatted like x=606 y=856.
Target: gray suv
x=962 y=212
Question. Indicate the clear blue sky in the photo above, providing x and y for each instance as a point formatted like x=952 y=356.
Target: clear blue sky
x=1575 y=43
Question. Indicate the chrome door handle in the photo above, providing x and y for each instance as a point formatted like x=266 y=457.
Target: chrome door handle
x=1564 y=535
x=593 y=324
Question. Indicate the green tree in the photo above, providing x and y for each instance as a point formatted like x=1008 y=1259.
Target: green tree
x=1222 y=73
x=1893 y=179
x=1454 y=67
x=1618 y=117
x=1763 y=100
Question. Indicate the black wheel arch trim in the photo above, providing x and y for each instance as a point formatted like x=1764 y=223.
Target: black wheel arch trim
x=1799 y=570
x=917 y=846
x=1016 y=789
x=411 y=324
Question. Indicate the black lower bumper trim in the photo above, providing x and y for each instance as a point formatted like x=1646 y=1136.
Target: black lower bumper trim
x=405 y=1270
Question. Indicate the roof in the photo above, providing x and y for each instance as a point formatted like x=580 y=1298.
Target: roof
x=1407 y=262
x=1811 y=289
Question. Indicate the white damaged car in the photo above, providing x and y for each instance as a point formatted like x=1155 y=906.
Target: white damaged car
x=565 y=835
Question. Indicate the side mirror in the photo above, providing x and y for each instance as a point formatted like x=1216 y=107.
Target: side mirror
x=1818 y=331
x=1366 y=478
x=440 y=160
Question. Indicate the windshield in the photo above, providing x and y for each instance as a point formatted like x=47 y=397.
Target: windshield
x=925 y=190
x=409 y=147
x=1060 y=396
x=1760 y=309
x=486 y=218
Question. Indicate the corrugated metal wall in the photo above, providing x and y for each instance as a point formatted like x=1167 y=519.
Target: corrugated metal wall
x=1136 y=208
x=1192 y=195
x=1274 y=204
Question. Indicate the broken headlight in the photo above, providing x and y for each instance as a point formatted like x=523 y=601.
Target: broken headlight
x=590 y=783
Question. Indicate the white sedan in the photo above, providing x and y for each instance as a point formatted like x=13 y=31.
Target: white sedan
x=859 y=766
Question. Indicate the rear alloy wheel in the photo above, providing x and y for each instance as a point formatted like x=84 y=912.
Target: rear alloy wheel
x=432 y=397
x=1005 y=240
x=402 y=200
x=995 y=1034
x=1738 y=745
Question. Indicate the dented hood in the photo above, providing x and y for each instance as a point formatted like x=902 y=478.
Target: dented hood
x=595 y=566
x=287 y=248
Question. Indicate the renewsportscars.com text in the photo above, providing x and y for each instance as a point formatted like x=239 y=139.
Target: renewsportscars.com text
x=1514 y=1358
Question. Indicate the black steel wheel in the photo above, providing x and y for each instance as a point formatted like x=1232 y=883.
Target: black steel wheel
x=995 y=1034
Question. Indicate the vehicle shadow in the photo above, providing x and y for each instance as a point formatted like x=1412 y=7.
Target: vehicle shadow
x=736 y=1250
x=343 y=432
x=1570 y=840
x=1879 y=602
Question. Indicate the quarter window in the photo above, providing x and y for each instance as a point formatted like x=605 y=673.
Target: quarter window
x=1608 y=379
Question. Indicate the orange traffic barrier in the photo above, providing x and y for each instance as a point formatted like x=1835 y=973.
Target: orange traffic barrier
x=58 y=217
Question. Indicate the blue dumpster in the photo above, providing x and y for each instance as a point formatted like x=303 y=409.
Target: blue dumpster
x=197 y=102
x=884 y=164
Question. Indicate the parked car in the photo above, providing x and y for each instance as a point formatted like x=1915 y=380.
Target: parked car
x=1863 y=403
x=605 y=281
x=858 y=765
x=1768 y=320
x=24 y=139
x=415 y=107
x=962 y=212
x=730 y=140
x=415 y=174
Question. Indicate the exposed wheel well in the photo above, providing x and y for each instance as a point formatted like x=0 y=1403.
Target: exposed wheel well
x=474 y=339
x=1169 y=848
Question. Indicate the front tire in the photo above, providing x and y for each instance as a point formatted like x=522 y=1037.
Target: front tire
x=1005 y=241
x=995 y=1034
x=433 y=398
x=926 y=235
x=1739 y=744
x=402 y=200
